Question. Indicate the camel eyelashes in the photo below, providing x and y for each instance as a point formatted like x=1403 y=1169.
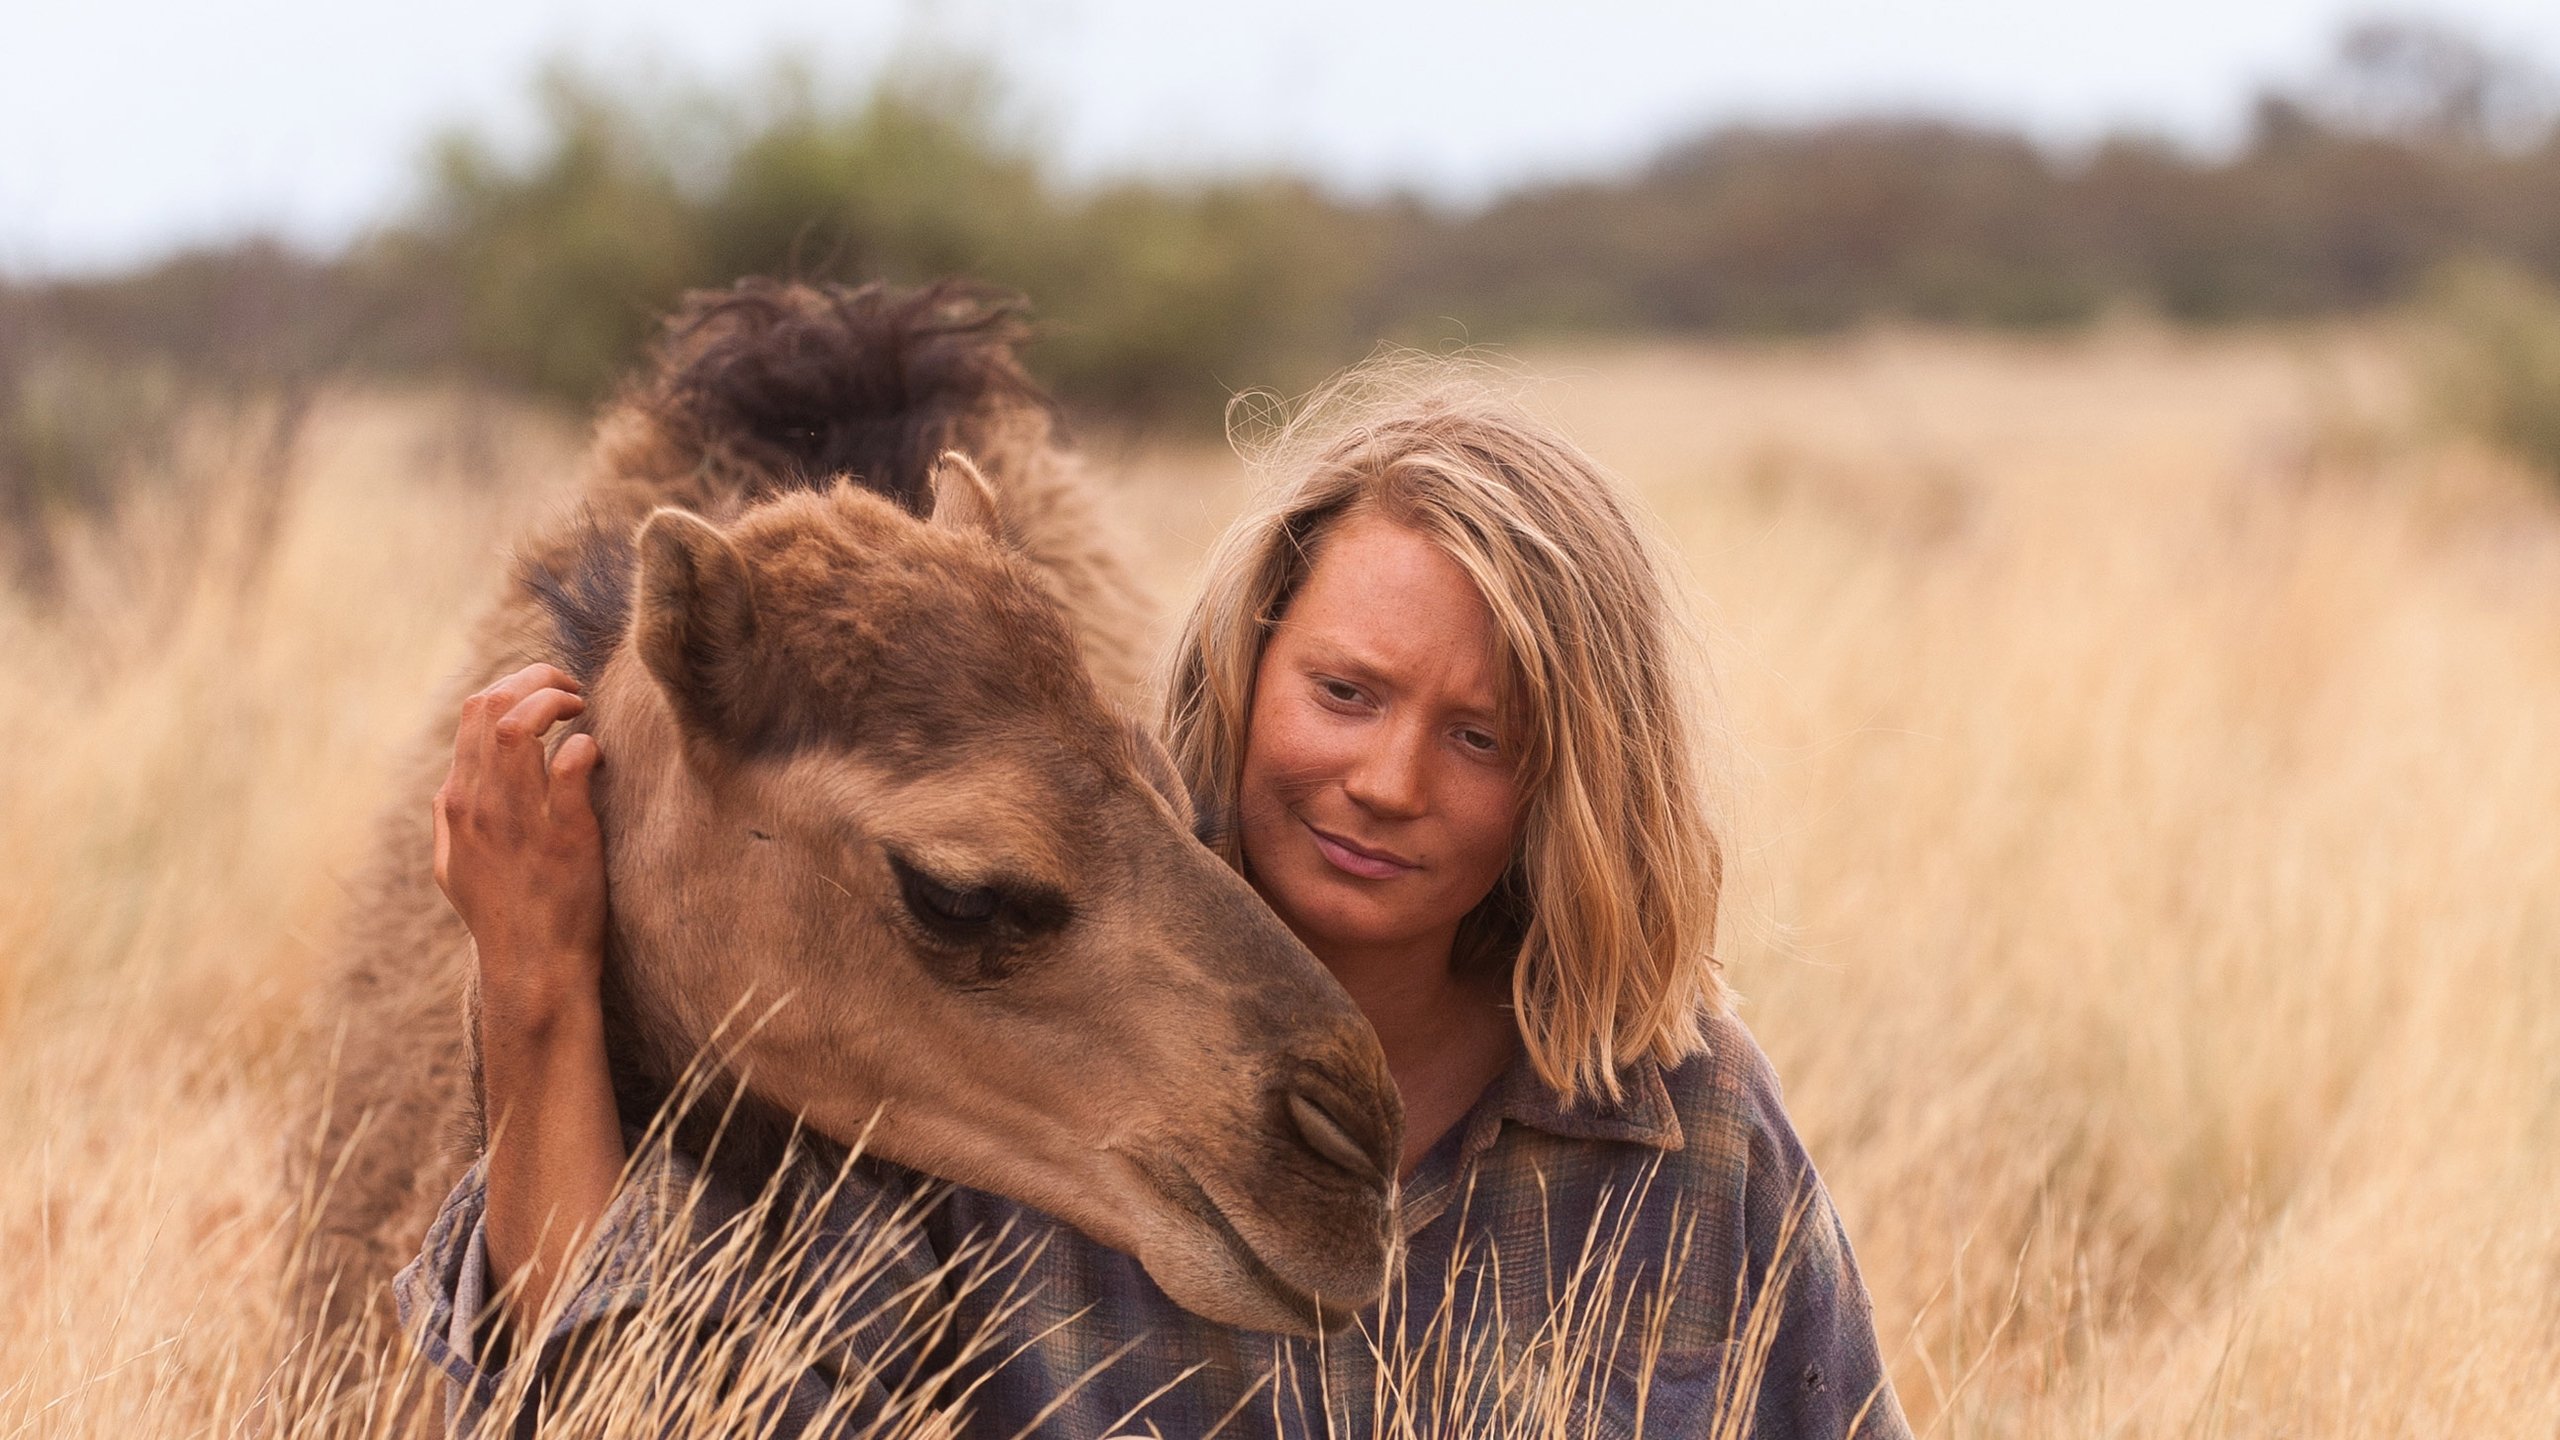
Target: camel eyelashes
x=975 y=914
x=974 y=906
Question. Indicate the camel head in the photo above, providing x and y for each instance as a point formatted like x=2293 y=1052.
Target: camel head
x=865 y=810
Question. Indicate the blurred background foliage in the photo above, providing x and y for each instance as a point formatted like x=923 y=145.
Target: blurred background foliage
x=2494 y=358
x=557 y=263
x=2410 y=166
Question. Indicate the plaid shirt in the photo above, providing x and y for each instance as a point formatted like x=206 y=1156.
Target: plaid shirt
x=1619 y=1268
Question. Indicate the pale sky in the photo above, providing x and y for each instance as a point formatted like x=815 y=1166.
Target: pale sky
x=131 y=126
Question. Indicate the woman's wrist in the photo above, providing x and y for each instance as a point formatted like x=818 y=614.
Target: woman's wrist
x=555 y=1145
x=538 y=1049
x=534 y=998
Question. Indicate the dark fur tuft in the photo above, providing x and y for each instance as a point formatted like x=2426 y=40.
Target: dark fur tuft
x=587 y=594
x=769 y=387
x=794 y=385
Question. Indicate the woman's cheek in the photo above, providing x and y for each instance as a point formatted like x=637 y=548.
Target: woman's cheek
x=1280 y=770
x=1301 y=750
x=1485 y=818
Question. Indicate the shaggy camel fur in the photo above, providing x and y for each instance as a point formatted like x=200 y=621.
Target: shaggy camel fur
x=859 y=711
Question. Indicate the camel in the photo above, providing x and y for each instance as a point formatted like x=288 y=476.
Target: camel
x=852 y=639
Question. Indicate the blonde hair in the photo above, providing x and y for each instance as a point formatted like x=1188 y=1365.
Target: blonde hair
x=1606 y=917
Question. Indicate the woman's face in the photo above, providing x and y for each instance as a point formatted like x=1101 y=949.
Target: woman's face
x=1378 y=804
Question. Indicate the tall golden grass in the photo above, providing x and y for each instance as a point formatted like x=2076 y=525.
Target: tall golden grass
x=2147 y=877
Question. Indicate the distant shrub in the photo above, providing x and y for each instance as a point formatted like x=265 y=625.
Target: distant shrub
x=558 y=261
x=70 y=422
x=74 y=427
x=1149 y=297
x=544 y=266
x=2495 y=357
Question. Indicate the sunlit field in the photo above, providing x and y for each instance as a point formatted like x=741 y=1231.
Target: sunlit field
x=2144 y=804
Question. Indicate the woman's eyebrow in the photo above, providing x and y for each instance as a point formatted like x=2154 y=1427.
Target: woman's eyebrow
x=1483 y=707
x=1352 y=665
x=1334 y=655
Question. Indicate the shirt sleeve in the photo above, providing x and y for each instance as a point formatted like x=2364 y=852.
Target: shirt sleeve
x=1809 y=1328
x=446 y=1303
x=823 y=1376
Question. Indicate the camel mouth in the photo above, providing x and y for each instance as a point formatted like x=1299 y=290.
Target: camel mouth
x=1180 y=1188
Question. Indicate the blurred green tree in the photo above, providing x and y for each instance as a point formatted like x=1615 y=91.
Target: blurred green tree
x=1154 y=297
x=2495 y=334
x=545 y=265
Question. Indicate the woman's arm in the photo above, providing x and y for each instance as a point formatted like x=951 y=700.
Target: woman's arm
x=519 y=856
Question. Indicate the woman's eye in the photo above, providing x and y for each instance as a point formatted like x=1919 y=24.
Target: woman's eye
x=1480 y=742
x=1340 y=692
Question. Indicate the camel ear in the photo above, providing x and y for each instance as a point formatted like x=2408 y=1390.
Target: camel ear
x=962 y=498
x=694 y=620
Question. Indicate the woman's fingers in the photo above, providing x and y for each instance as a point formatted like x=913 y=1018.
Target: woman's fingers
x=444 y=838
x=484 y=715
x=572 y=774
x=474 y=738
x=539 y=676
x=498 y=761
x=515 y=742
x=496 y=799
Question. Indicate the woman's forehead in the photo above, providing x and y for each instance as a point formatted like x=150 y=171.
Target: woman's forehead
x=1386 y=597
x=1367 y=554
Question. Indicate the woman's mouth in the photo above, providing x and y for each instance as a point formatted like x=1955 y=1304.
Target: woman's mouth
x=1359 y=860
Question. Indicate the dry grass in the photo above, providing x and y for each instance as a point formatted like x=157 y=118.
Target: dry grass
x=2146 y=861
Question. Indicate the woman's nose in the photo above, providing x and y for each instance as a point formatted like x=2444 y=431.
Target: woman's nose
x=1388 y=777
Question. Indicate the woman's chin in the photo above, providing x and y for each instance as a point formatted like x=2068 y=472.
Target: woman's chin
x=1339 y=917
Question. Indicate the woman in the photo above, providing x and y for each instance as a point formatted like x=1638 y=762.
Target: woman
x=1429 y=703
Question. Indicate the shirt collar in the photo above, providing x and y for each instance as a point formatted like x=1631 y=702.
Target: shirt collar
x=1642 y=1113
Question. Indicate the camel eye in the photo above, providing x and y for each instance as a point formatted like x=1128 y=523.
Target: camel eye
x=955 y=908
x=965 y=907
x=977 y=936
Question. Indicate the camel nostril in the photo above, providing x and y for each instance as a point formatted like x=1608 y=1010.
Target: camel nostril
x=1326 y=1137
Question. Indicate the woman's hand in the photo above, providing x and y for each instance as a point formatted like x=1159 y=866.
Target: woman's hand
x=519 y=855
x=517 y=849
